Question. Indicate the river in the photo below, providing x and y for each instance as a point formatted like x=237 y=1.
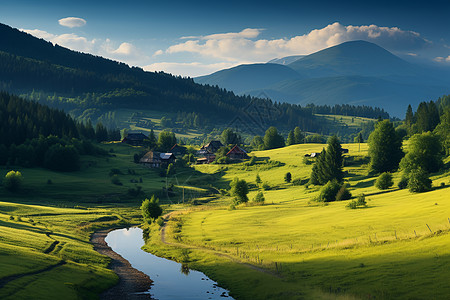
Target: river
x=171 y=280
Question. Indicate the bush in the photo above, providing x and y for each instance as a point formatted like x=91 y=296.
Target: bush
x=259 y=198
x=288 y=177
x=266 y=186
x=13 y=181
x=115 y=180
x=361 y=201
x=239 y=189
x=343 y=193
x=352 y=204
x=384 y=181
x=403 y=183
x=333 y=191
x=116 y=172
x=151 y=209
x=419 y=181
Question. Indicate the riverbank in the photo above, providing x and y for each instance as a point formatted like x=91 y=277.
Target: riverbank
x=132 y=283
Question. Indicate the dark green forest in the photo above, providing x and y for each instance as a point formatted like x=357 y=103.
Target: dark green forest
x=79 y=83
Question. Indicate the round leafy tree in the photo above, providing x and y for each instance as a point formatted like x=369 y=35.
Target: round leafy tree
x=384 y=181
x=419 y=181
x=151 y=209
x=239 y=189
x=12 y=181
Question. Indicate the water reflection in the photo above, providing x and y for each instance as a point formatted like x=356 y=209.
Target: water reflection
x=172 y=280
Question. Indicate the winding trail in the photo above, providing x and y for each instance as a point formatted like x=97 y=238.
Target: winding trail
x=133 y=284
x=4 y=281
x=217 y=253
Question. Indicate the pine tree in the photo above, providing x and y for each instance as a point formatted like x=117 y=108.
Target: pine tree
x=290 y=139
x=385 y=148
x=409 y=118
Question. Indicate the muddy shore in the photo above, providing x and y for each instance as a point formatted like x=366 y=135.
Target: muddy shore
x=132 y=283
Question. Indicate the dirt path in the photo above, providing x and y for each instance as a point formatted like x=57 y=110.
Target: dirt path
x=232 y=258
x=8 y=279
x=132 y=283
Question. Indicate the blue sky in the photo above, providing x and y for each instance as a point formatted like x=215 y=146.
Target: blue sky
x=192 y=38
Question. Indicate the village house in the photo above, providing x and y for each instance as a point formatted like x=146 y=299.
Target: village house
x=178 y=151
x=135 y=139
x=153 y=159
x=212 y=147
x=237 y=153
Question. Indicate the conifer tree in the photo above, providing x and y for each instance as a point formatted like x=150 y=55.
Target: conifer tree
x=291 y=139
x=385 y=148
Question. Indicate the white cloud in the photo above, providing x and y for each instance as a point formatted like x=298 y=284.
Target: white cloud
x=125 y=52
x=249 y=33
x=239 y=46
x=442 y=59
x=72 y=22
x=192 y=69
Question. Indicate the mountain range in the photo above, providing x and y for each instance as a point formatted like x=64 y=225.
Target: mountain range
x=356 y=72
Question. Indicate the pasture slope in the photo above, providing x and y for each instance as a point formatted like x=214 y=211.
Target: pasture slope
x=395 y=248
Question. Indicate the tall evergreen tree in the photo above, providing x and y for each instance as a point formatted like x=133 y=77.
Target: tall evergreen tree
x=409 y=118
x=329 y=164
x=385 y=148
x=291 y=139
x=299 y=137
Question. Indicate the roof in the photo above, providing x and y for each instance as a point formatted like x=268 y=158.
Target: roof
x=165 y=156
x=150 y=156
x=136 y=136
x=176 y=146
x=215 y=144
x=237 y=149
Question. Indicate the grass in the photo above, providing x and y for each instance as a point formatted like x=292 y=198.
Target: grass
x=393 y=249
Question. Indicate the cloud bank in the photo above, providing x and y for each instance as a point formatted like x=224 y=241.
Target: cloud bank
x=125 y=52
x=244 y=45
x=72 y=22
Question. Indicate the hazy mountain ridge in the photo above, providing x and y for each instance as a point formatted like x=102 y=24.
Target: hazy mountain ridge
x=357 y=72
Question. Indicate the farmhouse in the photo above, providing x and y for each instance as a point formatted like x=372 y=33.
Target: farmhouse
x=153 y=159
x=178 y=151
x=212 y=146
x=135 y=139
x=206 y=160
x=237 y=153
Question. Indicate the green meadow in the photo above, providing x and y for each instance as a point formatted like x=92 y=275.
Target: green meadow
x=293 y=247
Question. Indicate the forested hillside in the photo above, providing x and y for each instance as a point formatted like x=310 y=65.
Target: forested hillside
x=84 y=84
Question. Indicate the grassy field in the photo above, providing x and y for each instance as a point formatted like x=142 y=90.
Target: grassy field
x=396 y=248
x=45 y=227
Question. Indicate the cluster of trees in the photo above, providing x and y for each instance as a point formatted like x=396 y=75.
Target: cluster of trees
x=328 y=166
x=21 y=120
x=52 y=152
x=230 y=137
x=349 y=110
x=36 y=135
x=426 y=118
x=295 y=137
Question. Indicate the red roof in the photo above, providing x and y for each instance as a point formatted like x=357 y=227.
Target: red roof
x=236 y=149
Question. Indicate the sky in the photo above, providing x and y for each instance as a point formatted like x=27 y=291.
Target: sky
x=194 y=38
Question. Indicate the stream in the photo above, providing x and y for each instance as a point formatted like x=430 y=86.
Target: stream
x=171 y=280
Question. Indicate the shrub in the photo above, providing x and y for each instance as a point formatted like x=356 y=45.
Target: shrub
x=352 y=204
x=329 y=191
x=361 y=201
x=116 y=172
x=13 y=181
x=384 y=181
x=419 y=181
x=288 y=177
x=259 y=198
x=266 y=186
x=115 y=180
x=151 y=209
x=160 y=221
x=343 y=193
x=239 y=189
x=403 y=183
